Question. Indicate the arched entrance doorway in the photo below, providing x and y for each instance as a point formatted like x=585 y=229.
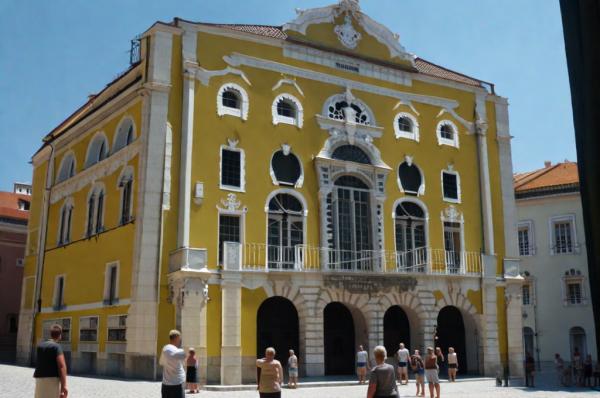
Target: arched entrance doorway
x=528 y=344
x=277 y=327
x=451 y=333
x=396 y=329
x=578 y=341
x=338 y=331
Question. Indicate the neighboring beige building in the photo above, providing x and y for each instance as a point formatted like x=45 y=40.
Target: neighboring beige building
x=557 y=311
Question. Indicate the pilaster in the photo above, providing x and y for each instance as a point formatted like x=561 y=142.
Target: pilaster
x=311 y=337
x=514 y=318
x=231 y=324
x=489 y=320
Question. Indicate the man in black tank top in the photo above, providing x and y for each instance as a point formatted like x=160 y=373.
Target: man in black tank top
x=50 y=369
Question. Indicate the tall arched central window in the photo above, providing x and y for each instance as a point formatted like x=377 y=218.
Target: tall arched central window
x=351 y=153
x=285 y=230
x=411 y=242
x=353 y=242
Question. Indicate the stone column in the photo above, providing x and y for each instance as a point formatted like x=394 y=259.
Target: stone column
x=374 y=325
x=192 y=318
x=514 y=318
x=231 y=324
x=312 y=336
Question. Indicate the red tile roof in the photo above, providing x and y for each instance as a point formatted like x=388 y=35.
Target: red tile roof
x=423 y=66
x=551 y=177
x=9 y=205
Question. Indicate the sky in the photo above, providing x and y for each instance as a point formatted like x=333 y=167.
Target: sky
x=53 y=54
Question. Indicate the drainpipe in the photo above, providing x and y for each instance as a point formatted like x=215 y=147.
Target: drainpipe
x=37 y=303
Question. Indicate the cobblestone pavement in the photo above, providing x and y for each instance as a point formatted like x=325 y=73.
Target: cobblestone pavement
x=17 y=382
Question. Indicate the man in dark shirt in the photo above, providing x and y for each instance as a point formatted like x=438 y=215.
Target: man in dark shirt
x=50 y=370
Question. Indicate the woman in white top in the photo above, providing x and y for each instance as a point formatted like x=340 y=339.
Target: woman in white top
x=452 y=364
x=269 y=375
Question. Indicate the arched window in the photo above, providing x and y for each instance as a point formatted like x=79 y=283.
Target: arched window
x=95 y=215
x=285 y=230
x=338 y=109
x=124 y=136
x=352 y=225
x=67 y=168
x=64 y=222
x=288 y=110
x=447 y=133
x=232 y=100
x=411 y=241
x=97 y=150
x=410 y=179
x=126 y=187
x=351 y=153
x=285 y=168
x=406 y=126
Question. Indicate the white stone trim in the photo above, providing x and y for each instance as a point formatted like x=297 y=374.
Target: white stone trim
x=274 y=179
x=569 y=217
x=107 y=268
x=99 y=135
x=530 y=236
x=422 y=205
x=444 y=141
x=126 y=174
x=83 y=307
x=450 y=170
x=68 y=155
x=421 y=190
x=233 y=148
x=403 y=134
x=68 y=205
x=204 y=75
x=242 y=112
x=55 y=302
x=166 y=196
x=96 y=189
x=237 y=59
x=350 y=99
x=291 y=82
x=291 y=192
x=569 y=279
x=277 y=118
x=185 y=165
x=124 y=119
x=232 y=208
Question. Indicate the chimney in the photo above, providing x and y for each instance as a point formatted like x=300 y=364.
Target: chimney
x=547 y=164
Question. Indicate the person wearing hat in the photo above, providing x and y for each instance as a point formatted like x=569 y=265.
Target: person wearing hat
x=191 y=376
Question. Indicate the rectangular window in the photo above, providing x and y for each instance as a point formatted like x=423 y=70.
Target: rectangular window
x=111 y=295
x=563 y=241
x=117 y=327
x=88 y=329
x=99 y=211
x=126 y=202
x=452 y=246
x=229 y=231
x=526 y=295
x=574 y=293
x=450 y=185
x=523 y=234
x=231 y=168
x=59 y=289
x=65 y=323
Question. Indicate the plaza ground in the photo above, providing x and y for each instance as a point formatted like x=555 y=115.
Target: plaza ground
x=17 y=382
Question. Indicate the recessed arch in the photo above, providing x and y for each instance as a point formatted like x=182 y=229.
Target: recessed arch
x=277 y=326
x=68 y=167
x=98 y=149
x=396 y=329
x=125 y=134
x=451 y=332
x=339 y=339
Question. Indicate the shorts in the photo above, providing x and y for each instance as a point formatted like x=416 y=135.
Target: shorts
x=176 y=391
x=293 y=372
x=361 y=365
x=421 y=372
x=432 y=376
x=452 y=366
x=270 y=394
x=402 y=364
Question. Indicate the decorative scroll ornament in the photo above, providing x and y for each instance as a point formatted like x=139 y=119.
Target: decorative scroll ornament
x=346 y=33
x=450 y=213
x=231 y=203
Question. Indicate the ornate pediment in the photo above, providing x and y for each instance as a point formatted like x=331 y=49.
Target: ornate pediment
x=345 y=26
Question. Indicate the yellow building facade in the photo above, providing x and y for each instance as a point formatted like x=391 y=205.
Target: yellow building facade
x=310 y=186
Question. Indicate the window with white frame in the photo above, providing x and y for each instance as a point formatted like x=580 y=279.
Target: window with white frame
x=64 y=222
x=287 y=109
x=58 y=301
x=410 y=178
x=111 y=284
x=453 y=246
x=67 y=168
x=562 y=231
x=232 y=100
x=64 y=323
x=229 y=231
x=285 y=230
x=126 y=187
x=574 y=293
x=88 y=329
x=525 y=238
x=340 y=109
x=447 y=133
x=406 y=126
x=95 y=215
x=286 y=168
x=451 y=185
x=97 y=150
x=232 y=169
x=117 y=328
x=124 y=135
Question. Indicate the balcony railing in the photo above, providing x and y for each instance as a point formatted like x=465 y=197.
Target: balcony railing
x=425 y=260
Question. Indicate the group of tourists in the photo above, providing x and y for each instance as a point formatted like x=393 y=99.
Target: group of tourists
x=381 y=384
x=581 y=372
